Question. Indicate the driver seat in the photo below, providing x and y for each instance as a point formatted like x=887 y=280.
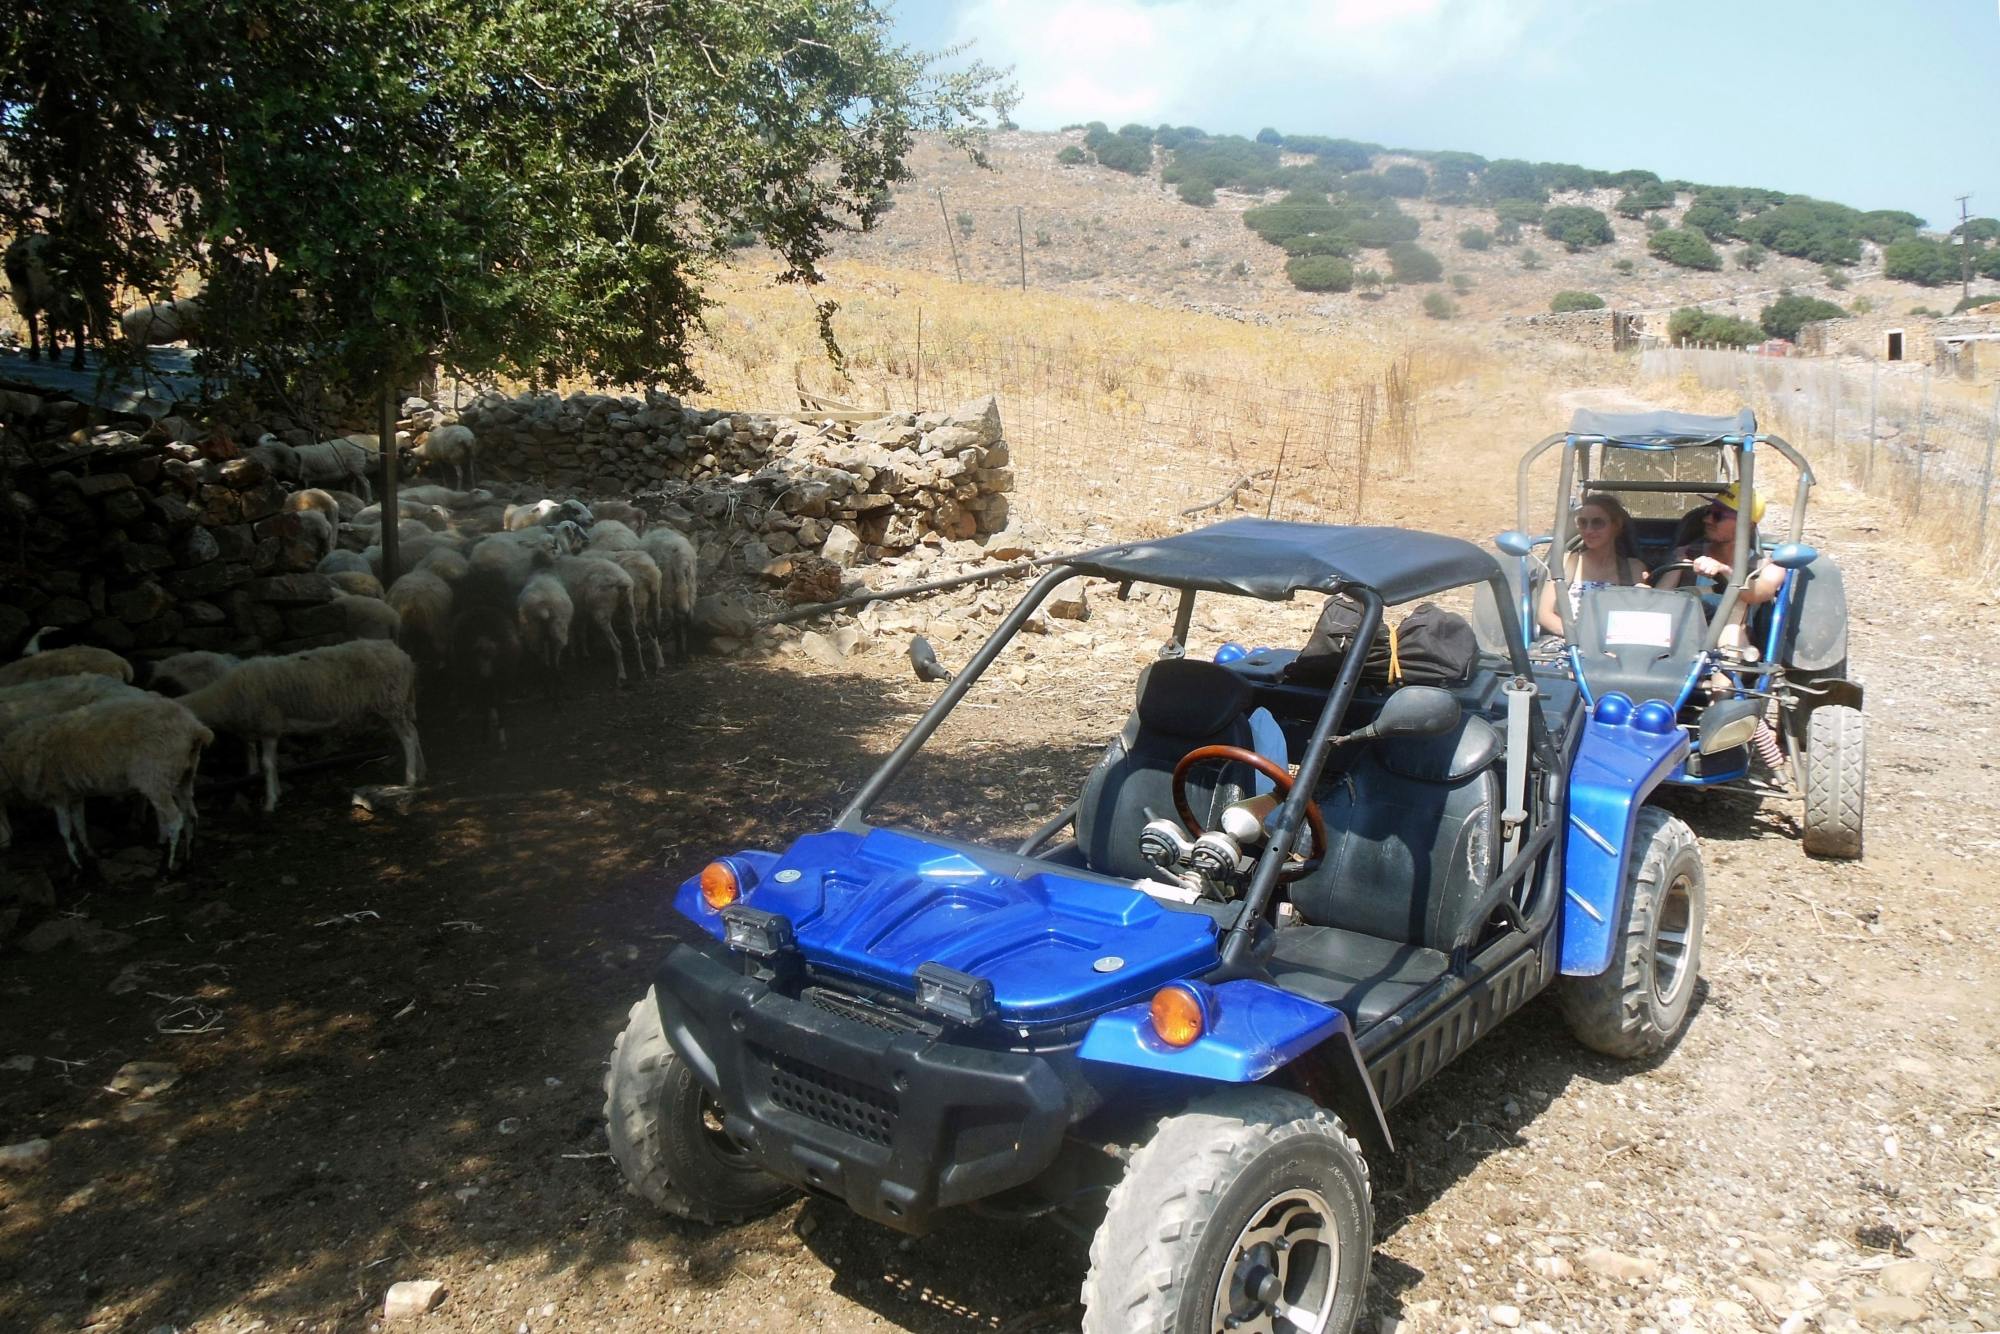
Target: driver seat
x=1182 y=704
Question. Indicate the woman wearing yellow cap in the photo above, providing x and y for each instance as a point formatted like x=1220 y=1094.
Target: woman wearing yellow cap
x=1709 y=559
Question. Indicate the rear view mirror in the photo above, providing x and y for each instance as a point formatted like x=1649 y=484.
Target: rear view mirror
x=1412 y=711
x=1794 y=555
x=1516 y=543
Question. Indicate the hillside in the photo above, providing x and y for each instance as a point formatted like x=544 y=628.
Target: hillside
x=1092 y=231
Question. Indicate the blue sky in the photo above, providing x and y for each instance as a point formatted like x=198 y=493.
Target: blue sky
x=1875 y=103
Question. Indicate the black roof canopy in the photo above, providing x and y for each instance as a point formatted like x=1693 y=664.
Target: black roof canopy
x=1264 y=558
x=1662 y=428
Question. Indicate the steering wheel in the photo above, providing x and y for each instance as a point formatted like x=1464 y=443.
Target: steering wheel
x=1272 y=770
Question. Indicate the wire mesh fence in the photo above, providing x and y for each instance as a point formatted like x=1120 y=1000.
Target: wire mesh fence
x=1142 y=439
x=1924 y=441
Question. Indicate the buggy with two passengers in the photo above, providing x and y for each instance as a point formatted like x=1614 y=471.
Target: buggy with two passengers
x=1178 y=1013
x=1787 y=666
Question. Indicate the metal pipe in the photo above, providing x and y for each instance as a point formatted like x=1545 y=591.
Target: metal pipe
x=1235 y=946
x=1183 y=621
x=851 y=818
x=1559 y=543
x=908 y=590
x=1739 y=556
x=1521 y=519
x=1048 y=830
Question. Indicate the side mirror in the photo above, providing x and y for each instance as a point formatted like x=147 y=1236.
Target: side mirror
x=1728 y=724
x=1795 y=555
x=1412 y=711
x=1516 y=543
x=924 y=661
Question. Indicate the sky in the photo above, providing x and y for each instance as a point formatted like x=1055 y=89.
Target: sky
x=1873 y=103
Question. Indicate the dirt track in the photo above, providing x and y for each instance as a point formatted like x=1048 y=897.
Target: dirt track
x=411 y=1015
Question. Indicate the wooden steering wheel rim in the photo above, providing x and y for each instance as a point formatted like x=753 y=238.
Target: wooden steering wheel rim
x=1271 y=769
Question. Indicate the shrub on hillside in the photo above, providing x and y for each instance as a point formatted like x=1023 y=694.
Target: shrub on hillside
x=1475 y=238
x=1691 y=325
x=1319 y=243
x=1508 y=232
x=1689 y=249
x=1072 y=156
x=1411 y=263
x=1751 y=257
x=1642 y=199
x=1966 y=303
x=1531 y=259
x=1986 y=263
x=1345 y=154
x=1862 y=306
x=1438 y=306
x=1564 y=302
x=1622 y=265
x=1576 y=227
x=1130 y=150
x=1920 y=260
x=1711 y=220
x=1461 y=283
x=1783 y=317
x=1319 y=273
x=1199 y=193
x=1227 y=160
x=1267 y=135
x=1370 y=282
x=1511 y=178
x=1381 y=231
x=1404 y=181
x=1524 y=212
x=1452 y=173
x=1834 y=277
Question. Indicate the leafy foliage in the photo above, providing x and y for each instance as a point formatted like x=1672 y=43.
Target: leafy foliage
x=1411 y=263
x=1072 y=156
x=1404 y=181
x=1523 y=212
x=1643 y=198
x=1268 y=135
x=1439 y=306
x=1688 y=249
x=1966 y=303
x=1475 y=238
x=1566 y=301
x=1783 y=317
x=1511 y=178
x=1344 y=154
x=1319 y=243
x=1531 y=260
x=1920 y=260
x=1319 y=273
x=1577 y=227
x=1981 y=231
x=1751 y=257
x=1622 y=265
x=1987 y=263
x=1692 y=325
x=1711 y=220
x=1508 y=232
x=1199 y=193
x=1130 y=150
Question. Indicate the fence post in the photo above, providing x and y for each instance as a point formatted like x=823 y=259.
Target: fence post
x=1874 y=385
x=949 y=239
x=920 y=358
x=1021 y=235
x=1986 y=473
x=1923 y=436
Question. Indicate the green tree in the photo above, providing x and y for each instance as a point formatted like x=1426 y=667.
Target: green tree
x=1370 y=282
x=1711 y=220
x=1508 y=232
x=1644 y=198
x=1566 y=301
x=1475 y=238
x=1689 y=249
x=1751 y=257
x=1197 y=192
x=1783 y=317
x=1522 y=212
x=1622 y=265
x=1692 y=325
x=1072 y=156
x=1267 y=135
x=1919 y=260
x=1411 y=263
x=1461 y=283
x=1531 y=260
x=1319 y=273
x=1438 y=306
x=1576 y=227
x=1405 y=181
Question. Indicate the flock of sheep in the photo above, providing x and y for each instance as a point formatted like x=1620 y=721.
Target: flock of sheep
x=492 y=598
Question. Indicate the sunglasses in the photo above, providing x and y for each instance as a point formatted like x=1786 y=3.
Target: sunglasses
x=1719 y=512
x=1592 y=522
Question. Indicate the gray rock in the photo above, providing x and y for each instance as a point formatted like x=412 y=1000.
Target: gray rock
x=144 y=1079
x=26 y=1156
x=409 y=1299
x=833 y=649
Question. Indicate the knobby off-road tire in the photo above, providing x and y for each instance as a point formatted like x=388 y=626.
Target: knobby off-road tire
x=1836 y=780
x=1204 y=1202
x=666 y=1132
x=1634 y=1007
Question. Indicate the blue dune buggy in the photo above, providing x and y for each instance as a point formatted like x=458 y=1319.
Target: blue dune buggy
x=1179 y=1011
x=1788 y=666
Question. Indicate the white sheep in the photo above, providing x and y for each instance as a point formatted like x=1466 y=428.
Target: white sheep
x=318 y=530
x=78 y=660
x=322 y=502
x=645 y=598
x=340 y=460
x=422 y=603
x=337 y=688
x=344 y=562
x=358 y=582
x=434 y=517
x=279 y=459
x=144 y=744
x=545 y=611
x=53 y=695
x=349 y=503
x=623 y=511
x=185 y=673
x=611 y=535
x=541 y=512
x=368 y=618
x=454 y=449
x=674 y=554
x=444 y=562
x=604 y=594
x=446 y=496
x=177 y=320
x=515 y=555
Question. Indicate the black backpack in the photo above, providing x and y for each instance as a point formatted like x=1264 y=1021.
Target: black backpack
x=1431 y=647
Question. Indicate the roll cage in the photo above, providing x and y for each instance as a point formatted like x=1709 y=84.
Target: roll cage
x=1738 y=438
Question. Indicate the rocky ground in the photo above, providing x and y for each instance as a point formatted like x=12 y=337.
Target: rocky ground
x=370 y=1046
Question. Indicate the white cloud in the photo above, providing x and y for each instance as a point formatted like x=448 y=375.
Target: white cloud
x=1173 y=60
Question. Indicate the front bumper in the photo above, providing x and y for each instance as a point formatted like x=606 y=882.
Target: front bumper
x=897 y=1124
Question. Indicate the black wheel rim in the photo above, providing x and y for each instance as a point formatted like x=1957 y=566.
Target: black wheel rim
x=1282 y=1273
x=714 y=1139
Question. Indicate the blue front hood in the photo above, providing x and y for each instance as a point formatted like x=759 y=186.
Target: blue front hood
x=876 y=906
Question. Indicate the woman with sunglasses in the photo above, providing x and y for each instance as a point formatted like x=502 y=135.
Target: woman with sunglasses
x=1605 y=559
x=1704 y=565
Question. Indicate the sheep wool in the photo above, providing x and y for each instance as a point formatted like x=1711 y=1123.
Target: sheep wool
x=338 y=688
x=56 y=694
x=185 y=673
x=422 y=602
x=78 y=660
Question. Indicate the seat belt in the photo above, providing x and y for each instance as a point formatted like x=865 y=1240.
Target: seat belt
x=1520 y=692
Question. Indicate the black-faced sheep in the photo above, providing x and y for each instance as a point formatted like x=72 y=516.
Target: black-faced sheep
x=345 y=686
x=77 y=660
x=485 y=648
x=144 y=744
x=453 y=449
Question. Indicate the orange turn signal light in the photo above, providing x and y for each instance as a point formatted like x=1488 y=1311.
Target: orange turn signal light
x=1177 y=1016
x=718 y=885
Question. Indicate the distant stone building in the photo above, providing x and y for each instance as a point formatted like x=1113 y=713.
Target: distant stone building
x=1967 y=346
x=1605 y=330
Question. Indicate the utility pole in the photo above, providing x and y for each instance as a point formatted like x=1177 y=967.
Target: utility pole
x=1964 y=250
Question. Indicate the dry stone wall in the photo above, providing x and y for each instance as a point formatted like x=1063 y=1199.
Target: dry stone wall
x=143 y=545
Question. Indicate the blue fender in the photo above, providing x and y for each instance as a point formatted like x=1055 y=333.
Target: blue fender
x=1624 y=754
x=1253 y=1030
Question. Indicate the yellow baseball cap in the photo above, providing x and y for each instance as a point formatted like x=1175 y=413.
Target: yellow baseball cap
x=1733 y=498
